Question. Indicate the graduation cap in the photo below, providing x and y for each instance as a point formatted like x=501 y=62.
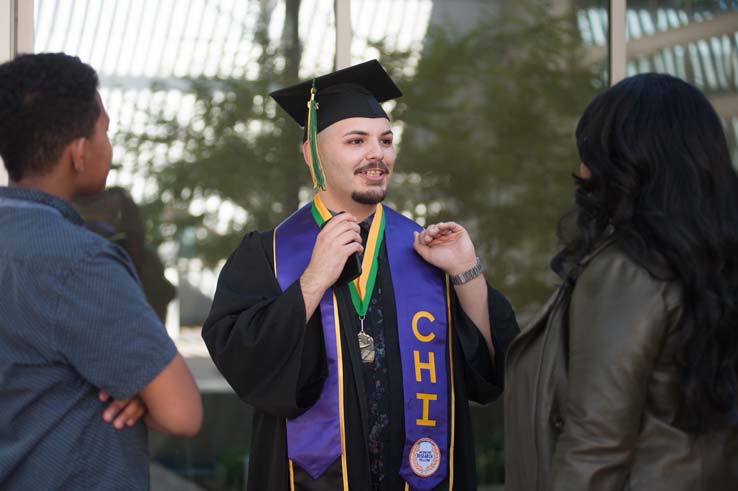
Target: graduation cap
x=353 y=92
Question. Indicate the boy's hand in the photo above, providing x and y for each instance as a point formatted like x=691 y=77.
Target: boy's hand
x=122 y=413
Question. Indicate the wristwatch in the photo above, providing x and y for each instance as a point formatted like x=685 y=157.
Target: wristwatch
x=468 y=275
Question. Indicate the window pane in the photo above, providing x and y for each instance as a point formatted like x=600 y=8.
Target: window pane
x=492 y=93
x=695 y=40
x=201 y=155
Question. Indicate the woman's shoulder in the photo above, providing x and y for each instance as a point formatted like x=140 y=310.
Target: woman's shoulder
x=611 y=267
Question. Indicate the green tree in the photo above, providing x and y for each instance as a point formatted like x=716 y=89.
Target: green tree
x=488 y=118
x=487 y=123
x=236 y=146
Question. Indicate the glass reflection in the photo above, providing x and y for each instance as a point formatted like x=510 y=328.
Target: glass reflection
x=201 y=155
x=696 y=40
x=492 y=93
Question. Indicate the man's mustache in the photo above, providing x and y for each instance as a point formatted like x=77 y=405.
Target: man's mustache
x=375 y=165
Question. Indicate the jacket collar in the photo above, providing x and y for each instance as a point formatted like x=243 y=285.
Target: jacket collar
x=604 y=243
x=541 y=318
x=574 y=269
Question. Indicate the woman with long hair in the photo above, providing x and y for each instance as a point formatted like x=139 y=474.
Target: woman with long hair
x=628 y=378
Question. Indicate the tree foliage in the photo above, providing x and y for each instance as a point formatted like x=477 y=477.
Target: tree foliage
x=236 y=146
x=489 y=117
x=487 y=124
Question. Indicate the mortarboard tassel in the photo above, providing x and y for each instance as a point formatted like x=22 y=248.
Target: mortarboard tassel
x=316 y=167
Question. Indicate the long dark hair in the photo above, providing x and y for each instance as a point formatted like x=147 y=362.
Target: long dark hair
x=662 y=183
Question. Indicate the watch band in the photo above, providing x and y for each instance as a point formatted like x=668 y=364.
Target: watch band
x=468 y=275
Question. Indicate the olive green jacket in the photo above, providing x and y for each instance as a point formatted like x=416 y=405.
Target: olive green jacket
x=592 y=403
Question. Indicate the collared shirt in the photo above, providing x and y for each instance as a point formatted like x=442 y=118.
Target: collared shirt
x=73 y=321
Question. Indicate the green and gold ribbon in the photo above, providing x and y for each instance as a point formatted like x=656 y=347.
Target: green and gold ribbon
x=362 y=287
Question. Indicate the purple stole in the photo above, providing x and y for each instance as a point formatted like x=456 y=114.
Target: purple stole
x=316 y=438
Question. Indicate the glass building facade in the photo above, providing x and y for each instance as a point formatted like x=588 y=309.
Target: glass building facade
x=492 y=93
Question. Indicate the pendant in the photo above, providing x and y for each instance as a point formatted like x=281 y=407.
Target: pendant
x=366 y=344
x=366 y=347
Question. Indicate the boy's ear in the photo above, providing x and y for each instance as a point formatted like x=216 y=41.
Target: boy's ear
x=77 y=152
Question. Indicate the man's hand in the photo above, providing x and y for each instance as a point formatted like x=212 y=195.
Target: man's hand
x=447 y=246
x=339 y=239
x=123 y=413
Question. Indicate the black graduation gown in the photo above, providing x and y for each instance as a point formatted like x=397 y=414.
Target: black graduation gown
x=257 y=337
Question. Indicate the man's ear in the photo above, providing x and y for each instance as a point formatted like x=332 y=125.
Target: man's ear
x=306 y=152
x=77 y=152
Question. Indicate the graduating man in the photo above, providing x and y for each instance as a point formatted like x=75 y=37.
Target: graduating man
x=357 y=335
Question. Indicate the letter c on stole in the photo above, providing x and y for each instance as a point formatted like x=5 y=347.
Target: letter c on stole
x=425 y=338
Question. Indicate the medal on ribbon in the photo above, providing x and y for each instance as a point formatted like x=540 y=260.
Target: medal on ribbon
x=362 y=287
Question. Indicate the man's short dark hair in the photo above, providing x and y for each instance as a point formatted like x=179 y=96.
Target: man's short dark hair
x=47 y=100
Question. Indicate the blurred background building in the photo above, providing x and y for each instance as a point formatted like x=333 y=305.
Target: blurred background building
x=493 y=89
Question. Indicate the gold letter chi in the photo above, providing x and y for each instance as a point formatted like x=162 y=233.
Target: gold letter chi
x=429 y=365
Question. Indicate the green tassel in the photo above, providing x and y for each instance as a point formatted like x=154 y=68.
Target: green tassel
x=316 y=167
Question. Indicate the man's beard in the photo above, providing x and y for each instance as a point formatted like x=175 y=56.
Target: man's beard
x=371 y=197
